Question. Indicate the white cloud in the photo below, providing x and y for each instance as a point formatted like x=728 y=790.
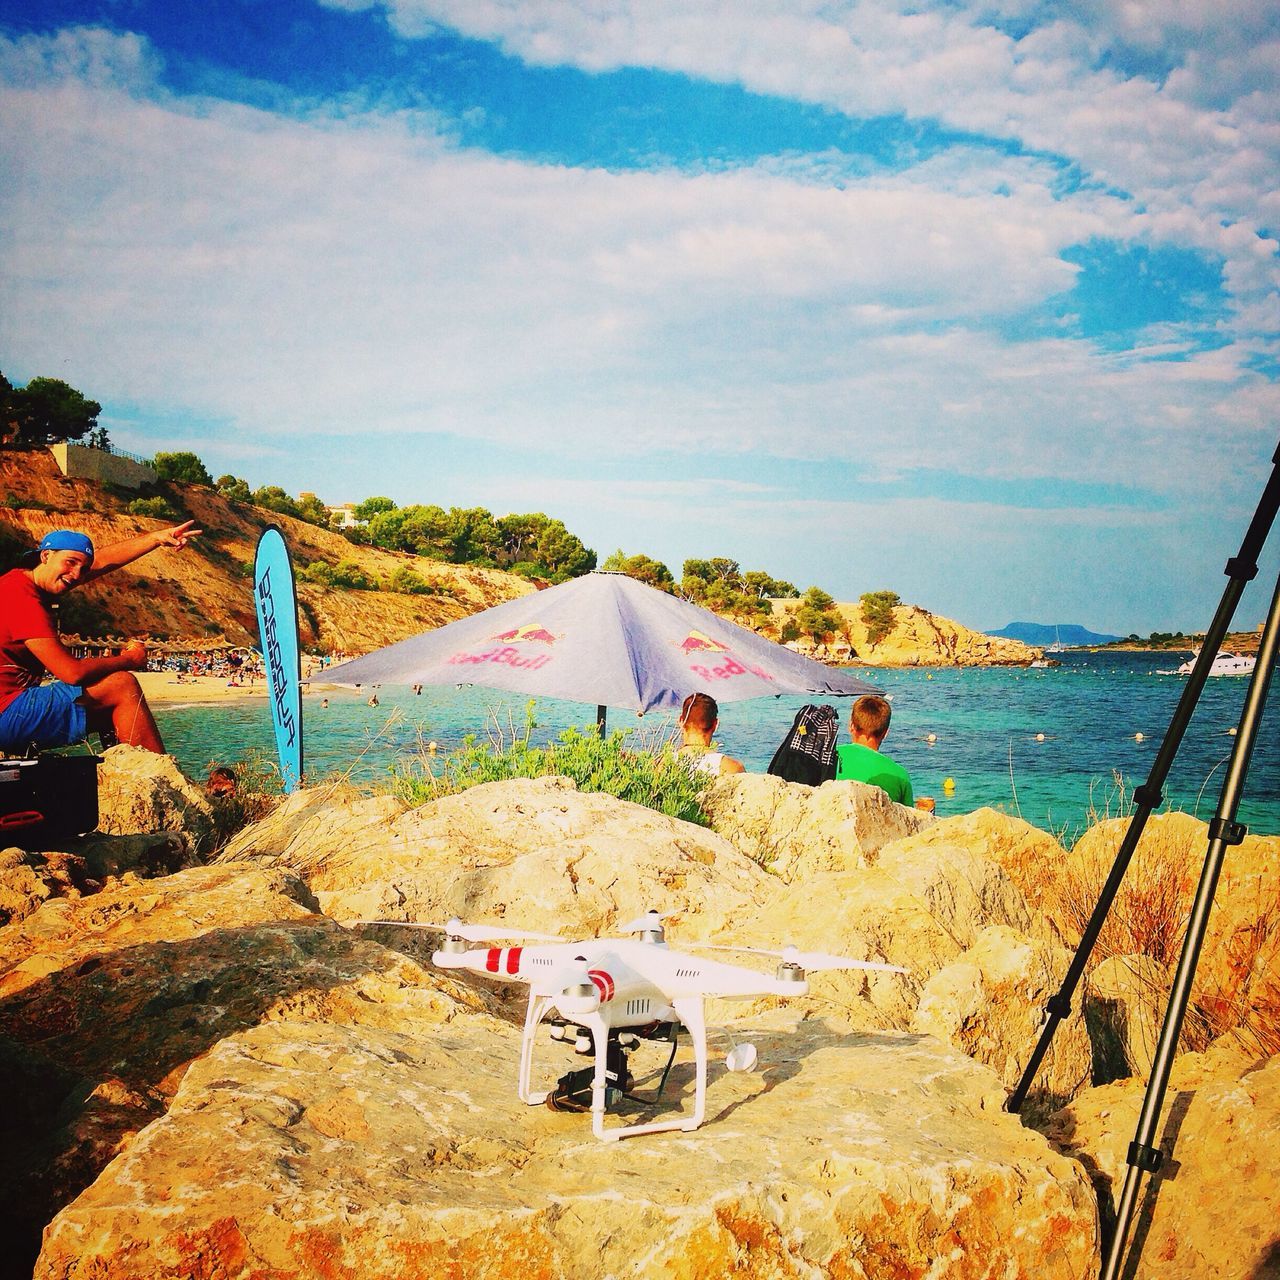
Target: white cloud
x=315 y=276
x=361 y=275
x=1167 y=147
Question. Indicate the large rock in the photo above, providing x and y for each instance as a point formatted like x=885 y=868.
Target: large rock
x=536 y=853
x=26 y=880
x=865 y=915
x=140 y=792
x=314 y=825
x=1033 y=860
x=105 y=1000
x=990 y=1004
x=327 y=1150
x=920 y=906
x=1214 y=1207
x=797 y=831
x=962 y=889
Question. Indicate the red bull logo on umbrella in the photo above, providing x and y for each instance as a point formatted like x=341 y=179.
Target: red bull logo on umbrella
x=530 y=632
x=696 y=644
x=506 y=654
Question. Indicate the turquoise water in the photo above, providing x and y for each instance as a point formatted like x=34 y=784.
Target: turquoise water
x=985 y=723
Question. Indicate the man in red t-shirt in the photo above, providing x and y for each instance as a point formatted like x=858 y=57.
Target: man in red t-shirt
x=86 y=693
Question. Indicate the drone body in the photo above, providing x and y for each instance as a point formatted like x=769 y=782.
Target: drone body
x=619 y=991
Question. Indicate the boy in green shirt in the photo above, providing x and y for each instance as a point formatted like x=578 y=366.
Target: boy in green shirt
x=861 y=760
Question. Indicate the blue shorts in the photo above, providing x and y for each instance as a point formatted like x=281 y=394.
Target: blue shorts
x=47 y=715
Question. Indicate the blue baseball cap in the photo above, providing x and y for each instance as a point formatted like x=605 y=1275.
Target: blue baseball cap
x=66 y=540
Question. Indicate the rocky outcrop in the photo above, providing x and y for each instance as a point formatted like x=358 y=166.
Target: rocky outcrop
x=106 y=1000
x=352 y=1109
x=1214 y=1207
x=1032 y=859
x=989 y=1003
x=330 y=1150
x=796 y=831
x=142 y=792
x=918 y=639
x=535 y=851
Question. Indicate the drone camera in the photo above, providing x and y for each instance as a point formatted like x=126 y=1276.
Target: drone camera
x=573 y=1089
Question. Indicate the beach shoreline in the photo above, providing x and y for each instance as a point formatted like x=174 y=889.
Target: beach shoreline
x=164 y=688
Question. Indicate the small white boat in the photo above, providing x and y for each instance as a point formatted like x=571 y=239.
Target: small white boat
x=1225 y=664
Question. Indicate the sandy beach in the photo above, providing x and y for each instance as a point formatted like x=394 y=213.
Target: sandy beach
x=164 y=687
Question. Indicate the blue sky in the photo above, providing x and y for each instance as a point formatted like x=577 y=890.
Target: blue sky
x=973 y=301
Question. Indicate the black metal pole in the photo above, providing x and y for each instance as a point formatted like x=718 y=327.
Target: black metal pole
x=1240 y=570
x=1144 y=1152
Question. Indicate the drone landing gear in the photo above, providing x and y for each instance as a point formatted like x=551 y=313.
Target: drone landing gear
x=608 y=1081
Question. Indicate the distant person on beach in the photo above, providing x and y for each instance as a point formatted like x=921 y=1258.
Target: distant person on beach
x=699 y=716
x=87 y=694
x=862 y=760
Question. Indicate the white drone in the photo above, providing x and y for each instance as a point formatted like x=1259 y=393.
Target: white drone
x=606 y=986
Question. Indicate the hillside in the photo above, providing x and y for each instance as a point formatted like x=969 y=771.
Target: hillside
x=918 y=639
x=204 y=591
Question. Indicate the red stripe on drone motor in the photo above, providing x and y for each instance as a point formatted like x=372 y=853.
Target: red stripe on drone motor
x=603 y=983
x=491 y=960
x=513 y=959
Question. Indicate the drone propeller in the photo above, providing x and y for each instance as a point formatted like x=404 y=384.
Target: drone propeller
x=470 y=932
x=811 y=961
x=817 y=961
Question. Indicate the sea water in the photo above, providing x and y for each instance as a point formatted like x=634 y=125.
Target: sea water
x=1051 y=745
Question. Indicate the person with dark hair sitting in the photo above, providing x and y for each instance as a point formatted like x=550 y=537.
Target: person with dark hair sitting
x=862 y=760
x=699 y=717
x=86 y=694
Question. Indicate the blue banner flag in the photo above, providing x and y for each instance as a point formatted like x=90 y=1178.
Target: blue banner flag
x=273 y=594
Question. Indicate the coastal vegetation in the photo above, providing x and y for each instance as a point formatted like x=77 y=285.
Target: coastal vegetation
x=652 y=776
x=46 y=411
x=877 y=613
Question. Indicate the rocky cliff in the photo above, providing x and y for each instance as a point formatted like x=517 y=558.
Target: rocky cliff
x=918 y=639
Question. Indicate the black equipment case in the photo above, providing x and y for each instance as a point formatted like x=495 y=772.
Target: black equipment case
x=48 y=795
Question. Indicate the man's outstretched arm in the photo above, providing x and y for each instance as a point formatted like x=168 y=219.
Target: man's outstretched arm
x=119 y=554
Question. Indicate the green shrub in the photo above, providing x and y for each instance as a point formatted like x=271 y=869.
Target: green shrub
x=654 y=778
x=155 y=508
x=877 y=614
x=408 y=582
x=347 y=573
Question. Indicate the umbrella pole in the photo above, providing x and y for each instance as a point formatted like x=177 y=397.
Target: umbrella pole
x=600 y=717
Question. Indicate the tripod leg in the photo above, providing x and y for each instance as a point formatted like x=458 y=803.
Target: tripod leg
x=1240 y=570
x=1144 y=1153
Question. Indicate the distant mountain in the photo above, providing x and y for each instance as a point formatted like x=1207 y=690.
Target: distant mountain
x=1041 y=635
